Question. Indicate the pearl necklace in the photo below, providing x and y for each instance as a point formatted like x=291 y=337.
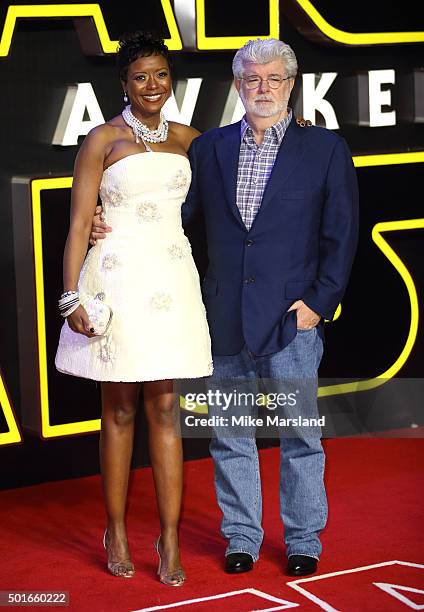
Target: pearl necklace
x=141 y=131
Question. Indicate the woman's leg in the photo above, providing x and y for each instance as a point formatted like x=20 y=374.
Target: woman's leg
x=119 y=407
x=167 y=462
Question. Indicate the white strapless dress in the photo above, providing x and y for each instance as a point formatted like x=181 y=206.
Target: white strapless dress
x=146 y=273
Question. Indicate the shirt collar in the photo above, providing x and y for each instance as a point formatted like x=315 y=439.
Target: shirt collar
x=278 y=129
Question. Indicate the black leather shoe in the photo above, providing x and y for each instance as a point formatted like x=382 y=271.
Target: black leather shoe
x=301 y=565
x=237 y=563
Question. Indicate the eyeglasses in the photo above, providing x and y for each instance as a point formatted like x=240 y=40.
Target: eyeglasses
x=253 y=82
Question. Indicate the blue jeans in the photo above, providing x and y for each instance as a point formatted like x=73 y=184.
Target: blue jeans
x=303 y=502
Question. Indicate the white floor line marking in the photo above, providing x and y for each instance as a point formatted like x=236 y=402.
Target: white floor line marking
x=392 y=589
x=295 y=584
x=284 y=604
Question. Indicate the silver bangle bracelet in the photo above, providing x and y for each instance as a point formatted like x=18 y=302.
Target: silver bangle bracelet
x=67 y=294
x=70 y=310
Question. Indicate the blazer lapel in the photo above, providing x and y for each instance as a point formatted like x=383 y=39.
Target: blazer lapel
x=227 y=151
x=288 y=157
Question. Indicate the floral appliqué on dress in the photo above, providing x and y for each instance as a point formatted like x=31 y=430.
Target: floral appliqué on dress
x=179 y=181
x=148 y=211
x=178 y=251
x=114 y=197
x=110 y=261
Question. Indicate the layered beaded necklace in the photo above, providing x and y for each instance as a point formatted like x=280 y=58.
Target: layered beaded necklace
x=142 y=132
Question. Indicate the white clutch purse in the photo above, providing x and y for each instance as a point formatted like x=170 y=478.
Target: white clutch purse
x=100 y=314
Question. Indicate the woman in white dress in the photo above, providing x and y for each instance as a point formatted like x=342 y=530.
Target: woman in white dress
x=145 y=274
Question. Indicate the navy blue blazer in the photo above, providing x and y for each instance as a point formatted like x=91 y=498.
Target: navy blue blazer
x=301 y=244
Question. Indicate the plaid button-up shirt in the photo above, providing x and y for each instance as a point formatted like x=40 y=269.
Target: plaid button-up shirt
x=255 y=166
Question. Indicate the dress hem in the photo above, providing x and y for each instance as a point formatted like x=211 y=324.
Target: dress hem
x=132 y=380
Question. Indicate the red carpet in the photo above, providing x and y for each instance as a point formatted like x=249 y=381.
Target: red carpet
x=51 y=539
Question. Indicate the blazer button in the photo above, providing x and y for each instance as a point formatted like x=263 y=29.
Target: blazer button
x=251 y=279
x=249 y=242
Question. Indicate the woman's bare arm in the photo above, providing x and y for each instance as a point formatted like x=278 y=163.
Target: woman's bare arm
x=88 y=171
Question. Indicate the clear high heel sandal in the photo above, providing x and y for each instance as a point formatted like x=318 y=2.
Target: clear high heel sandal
x=122 y=569
x=175 y=578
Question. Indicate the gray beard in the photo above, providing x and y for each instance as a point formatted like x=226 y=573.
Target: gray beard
x=263 y=110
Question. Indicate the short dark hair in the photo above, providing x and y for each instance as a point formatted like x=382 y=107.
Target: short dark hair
x=139 y=44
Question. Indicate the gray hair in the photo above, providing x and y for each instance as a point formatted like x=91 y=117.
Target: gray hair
x=263 y=51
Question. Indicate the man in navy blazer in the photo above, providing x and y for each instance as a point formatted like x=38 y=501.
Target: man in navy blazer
x=280 y=204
